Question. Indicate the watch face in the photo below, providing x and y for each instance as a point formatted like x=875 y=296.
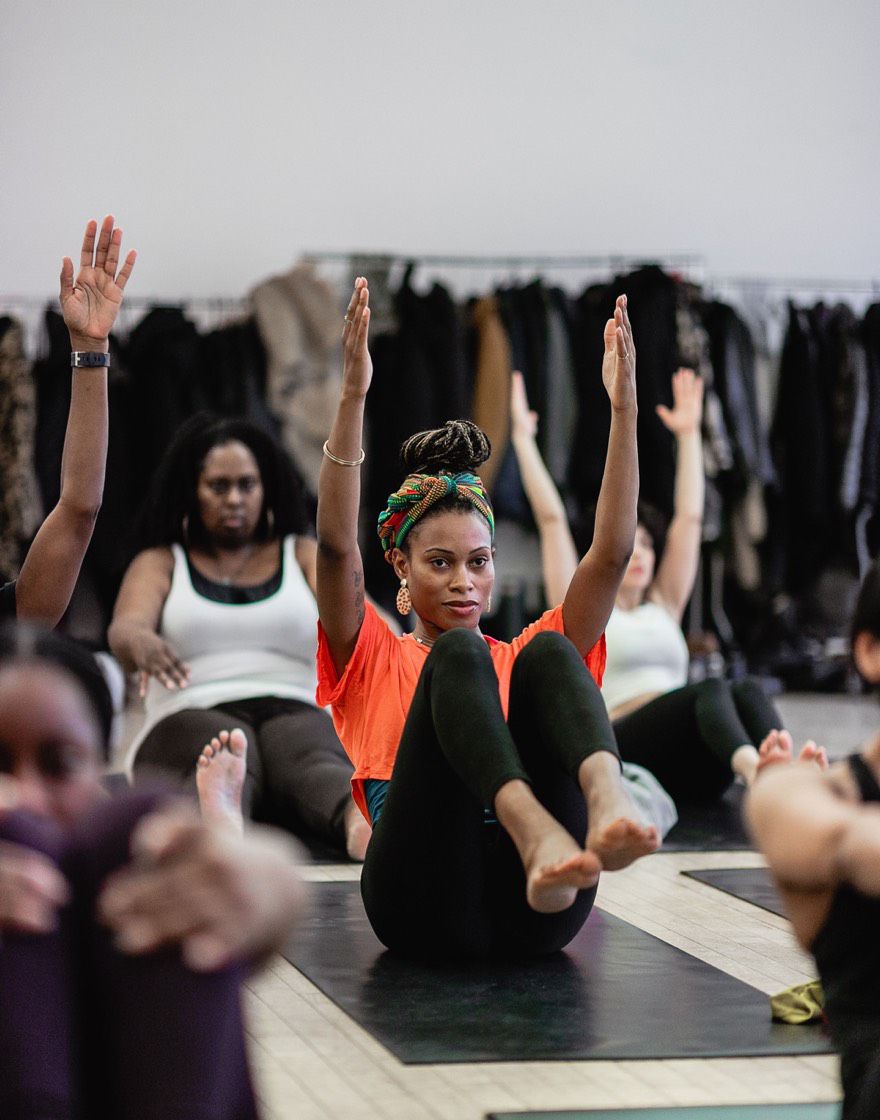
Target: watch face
x=89 y=359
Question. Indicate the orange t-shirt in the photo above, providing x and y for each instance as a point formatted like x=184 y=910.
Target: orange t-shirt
x=372 y=697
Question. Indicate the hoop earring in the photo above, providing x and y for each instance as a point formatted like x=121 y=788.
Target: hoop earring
x=404 y=599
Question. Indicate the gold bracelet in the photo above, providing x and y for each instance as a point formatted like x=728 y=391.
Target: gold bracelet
x=344 y=462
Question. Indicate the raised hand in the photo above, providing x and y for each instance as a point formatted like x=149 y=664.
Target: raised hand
x=619 y=361
x=523 y=420
x=687 y=404
x=90 y=303
x=357 y=365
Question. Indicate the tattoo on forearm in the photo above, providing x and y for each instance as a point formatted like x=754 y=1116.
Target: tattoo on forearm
x=359 y=608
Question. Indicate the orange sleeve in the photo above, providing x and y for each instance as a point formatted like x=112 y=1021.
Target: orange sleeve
x=594 y=659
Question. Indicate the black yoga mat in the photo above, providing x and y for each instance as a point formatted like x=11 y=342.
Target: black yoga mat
x=716 y=827
x=751 y=884
x=616 y=992
x=700 y=1112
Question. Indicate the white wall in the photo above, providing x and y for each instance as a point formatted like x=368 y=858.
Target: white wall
x=228 y=137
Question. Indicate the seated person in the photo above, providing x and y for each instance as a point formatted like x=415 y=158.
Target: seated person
x=126 y=924
x=820 y=832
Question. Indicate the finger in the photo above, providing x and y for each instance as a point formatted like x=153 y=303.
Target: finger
x=103 y=241
x=163 y=833
x=207 y=952
x=143 y=680
x=127 y=266
x=88 y=245
x=610 y=336
x=352 y=303
x=664 y=413
x=66 y=279
x=112 y=259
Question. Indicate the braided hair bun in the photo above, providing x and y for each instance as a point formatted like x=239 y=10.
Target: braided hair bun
x=458 y=446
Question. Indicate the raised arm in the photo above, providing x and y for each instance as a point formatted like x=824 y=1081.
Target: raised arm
x=340 y=570
x=677 y=570
x=133 y=635
x=591 y=593
x=89 y=306
x=558 y=553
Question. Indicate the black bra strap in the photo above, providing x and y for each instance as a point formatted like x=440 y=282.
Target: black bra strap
x=869 y=789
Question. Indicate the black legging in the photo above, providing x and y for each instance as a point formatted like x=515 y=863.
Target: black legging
x=440 y=882
x=687 y=737
x=298 y=776
x=89 y=1033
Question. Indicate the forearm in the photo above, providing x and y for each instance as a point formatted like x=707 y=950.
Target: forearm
x=616 y=508
x=125 y=637
x=558 y=553
x=84 y=456
x=339 y=487
x=689 y=477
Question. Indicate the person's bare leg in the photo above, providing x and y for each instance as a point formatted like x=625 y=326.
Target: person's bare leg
x=220 y=775
x=556 y=866
x=357 y=833
x=617 y=835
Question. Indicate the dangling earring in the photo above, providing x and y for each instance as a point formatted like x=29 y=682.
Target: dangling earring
x=184 y=529
x=404 y=599
x=270 y=522
x=489 y=604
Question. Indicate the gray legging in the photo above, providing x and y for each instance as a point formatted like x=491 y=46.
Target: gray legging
x=298 y=775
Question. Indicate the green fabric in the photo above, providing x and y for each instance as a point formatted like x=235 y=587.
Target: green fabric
x=804 y=1003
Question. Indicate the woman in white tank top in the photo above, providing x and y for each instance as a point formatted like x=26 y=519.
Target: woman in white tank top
x=694 y=738
x=217 y=613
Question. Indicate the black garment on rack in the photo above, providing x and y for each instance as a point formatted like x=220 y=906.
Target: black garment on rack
x=732 y=353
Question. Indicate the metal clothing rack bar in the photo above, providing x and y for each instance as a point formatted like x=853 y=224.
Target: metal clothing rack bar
x=518 y=260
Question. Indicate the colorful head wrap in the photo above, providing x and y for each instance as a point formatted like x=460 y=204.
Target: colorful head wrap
x=419 y=493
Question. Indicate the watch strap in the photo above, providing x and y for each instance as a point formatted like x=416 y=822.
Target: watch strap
x=89 y=359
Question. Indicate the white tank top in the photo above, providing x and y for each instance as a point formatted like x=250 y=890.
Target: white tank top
x=237 y=651
x=646 y=653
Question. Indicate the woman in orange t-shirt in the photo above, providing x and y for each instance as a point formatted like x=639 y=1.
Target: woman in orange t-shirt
x=488 y=770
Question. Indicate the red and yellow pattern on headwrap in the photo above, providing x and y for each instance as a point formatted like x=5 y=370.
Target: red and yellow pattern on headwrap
x=419 y=493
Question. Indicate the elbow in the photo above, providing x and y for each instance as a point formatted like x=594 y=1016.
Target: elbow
x=82 y=514
x=331 y=551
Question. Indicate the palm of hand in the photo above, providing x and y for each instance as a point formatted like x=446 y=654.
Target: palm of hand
x=91 y=307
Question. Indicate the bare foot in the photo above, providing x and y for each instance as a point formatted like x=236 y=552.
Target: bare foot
x=357 y=833
x=811 y=752
x=220 y=776
x=557 y=870
x=617 y=835
x=622 y=841
x=776 y=748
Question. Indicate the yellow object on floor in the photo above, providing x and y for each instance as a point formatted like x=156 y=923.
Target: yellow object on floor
x=804 y=1003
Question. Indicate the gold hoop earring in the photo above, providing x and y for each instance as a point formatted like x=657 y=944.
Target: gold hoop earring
x=404 y=599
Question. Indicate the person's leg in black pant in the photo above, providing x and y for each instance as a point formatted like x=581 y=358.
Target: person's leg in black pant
x=172 y=748
x=306 y=773
x=427 y=886
x=557 y=718
x=688 y=737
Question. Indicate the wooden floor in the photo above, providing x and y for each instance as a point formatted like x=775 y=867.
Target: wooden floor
x=312 y=1062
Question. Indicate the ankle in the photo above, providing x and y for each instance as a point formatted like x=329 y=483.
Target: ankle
x=744 y=763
